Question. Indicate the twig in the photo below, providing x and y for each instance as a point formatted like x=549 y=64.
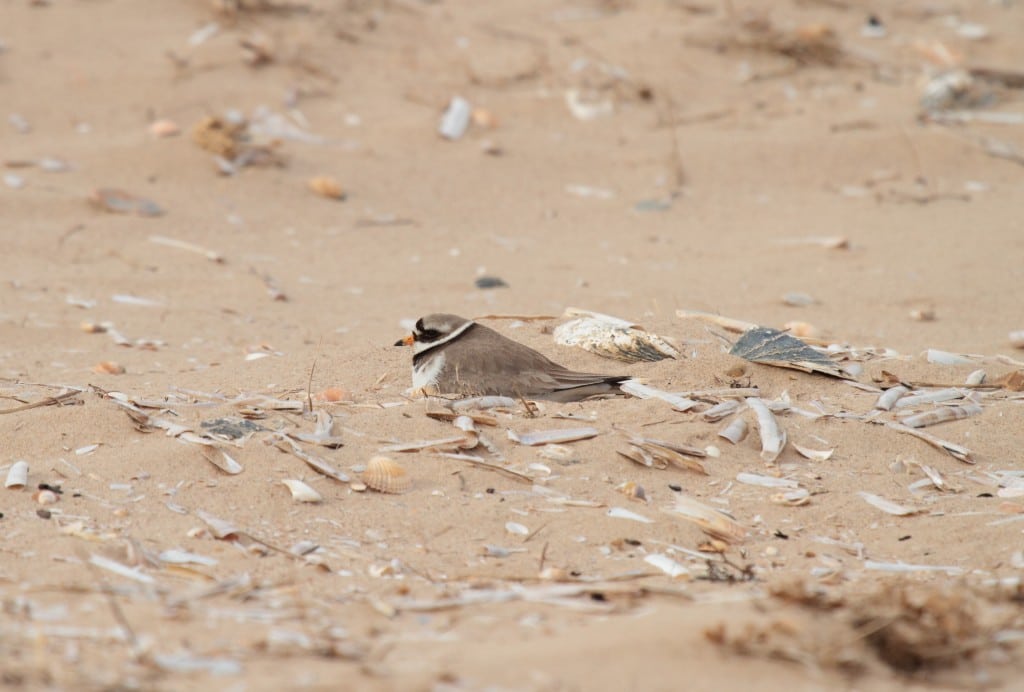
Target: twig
x=48 y=401
x=489 y=466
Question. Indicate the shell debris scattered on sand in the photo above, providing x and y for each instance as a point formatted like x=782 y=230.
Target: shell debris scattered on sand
x=301 y=491
x=17 y=475
x=385 y=475
x=612 y=337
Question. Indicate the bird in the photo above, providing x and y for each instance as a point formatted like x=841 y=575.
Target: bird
x=454 y=355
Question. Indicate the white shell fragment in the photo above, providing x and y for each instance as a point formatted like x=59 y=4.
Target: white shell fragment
x=889 y=397
x=935 y=396
x=711 y=521
x=667 y=565
x=623 y=513
x=545 y=437
x=183 y=557
x=888 y=507
x=302 y=492
x=773 y=437
x=17 y=476
x=224 y=462
x=766 y=481
x=938 y=357
x=612 y=337
x=792 y=498
x=516 y=528
x=722 y=410
x=976 y=378
x=1016 y=338
x=119 y=569
x=736 y=431
x=814 y=454
x=941 y=415
x=455 y=120
x=642 y=391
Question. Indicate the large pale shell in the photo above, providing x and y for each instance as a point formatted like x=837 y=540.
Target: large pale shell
x=302 y=492
x=386 y=476
x=614 y=338
x=17 y=476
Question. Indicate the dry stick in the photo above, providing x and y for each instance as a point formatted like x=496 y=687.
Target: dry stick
x=48 y=401
x=490 y=467
x=312 y=369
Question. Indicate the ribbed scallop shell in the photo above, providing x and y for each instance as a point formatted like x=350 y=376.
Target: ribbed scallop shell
x=386 y=476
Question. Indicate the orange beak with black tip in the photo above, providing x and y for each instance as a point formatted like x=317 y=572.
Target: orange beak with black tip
x=407 y=340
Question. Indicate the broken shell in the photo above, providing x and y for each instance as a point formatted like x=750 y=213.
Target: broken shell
x=722 y=410
x=484 y=118
x=516 y=528
x=301 y=492
x=386 y=476
x=802 y=330
x=773 y=437
x=326 y=186
x=17 y=475
x=632 y=491
x=890 y=396
x=121 y=202
x=975 y=378
x=614 y=338
x=923 y=315
x=357 y=486
x=1017 y=338
x=93 y=327
x=735 y=431
x=108 y=367
x=814 y=454
x=792 y=498
x=667 y=565
x=713 y=522
x=164 y=128
x=45 y=497
x=622 y=513
x=546 y=437
x=333 y=395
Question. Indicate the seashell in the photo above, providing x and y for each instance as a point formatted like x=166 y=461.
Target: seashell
x=45 y=497
x=455 y=120
x=922 y=315
x=643 y=391
x=766 y=481
x=612 y=337
x=94 y=327
x=711 y=521
x=887 y=506
x=302 y=492
x=622 y=513
x=386 y=476
x=802 y=330
x=516 y=528
x=1017 y=338
x=722 y=410
x=792 y=498
x=890 y=396
x=546 y=437
x=736 y=431
x=164 y=128
x=333 y=395
x=667 y=565
x=976 y=378
x=108 y=367
x=814 y=454
x=17 y=475
x=633 y=491
x=357 y=486
x=484 y=118
x=326 y=186
x=773 y=437
x=941 y=415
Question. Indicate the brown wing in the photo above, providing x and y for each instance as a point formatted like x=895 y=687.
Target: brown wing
x=483 y=362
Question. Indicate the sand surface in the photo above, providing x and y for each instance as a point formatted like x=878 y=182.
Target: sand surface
x=630 y=158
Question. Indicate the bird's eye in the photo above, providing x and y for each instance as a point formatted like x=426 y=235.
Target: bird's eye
x=428 y=335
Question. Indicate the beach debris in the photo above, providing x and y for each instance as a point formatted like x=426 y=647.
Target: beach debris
x=223 y=461
x=735 y=431
x=488 y=282
x=722 y=410
x=773 y=437
x=773 y=347
x=888 y=507
x=941 y=415
x=643 y=391
x=386 y=475
x=711 y=521
x=327 y=432
x=319 y=465
x=1016 y=338
x=792 y=498
x=797 y=299
x=164 y=128
x=220 y=529
x=976 y=378
x=1011 y=381
x=727 y=323
x=612 y=337
x=633 y=491
x=934 y=355
x=326 y=186
x=211 y=255
x=934 y=396
x=587 y=105
x=889 y=398
x=667 y=565
x=660 y=454
x=121 y=570
x=108 y=367
x=455 y=120
x=623 y=513
x=17 y=475
x=545 y=437
x=122 y=202
x=954 y=450
x=814 y=454
x=766 y=481
x=45 y=496
x=516 y=529
x=301 y=491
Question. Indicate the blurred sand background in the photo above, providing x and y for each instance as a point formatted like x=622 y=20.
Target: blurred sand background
x=633 y=158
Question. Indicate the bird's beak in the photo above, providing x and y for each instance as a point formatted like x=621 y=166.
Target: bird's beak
x=407 y=340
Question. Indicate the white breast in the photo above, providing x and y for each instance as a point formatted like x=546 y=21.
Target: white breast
x=425 y=375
